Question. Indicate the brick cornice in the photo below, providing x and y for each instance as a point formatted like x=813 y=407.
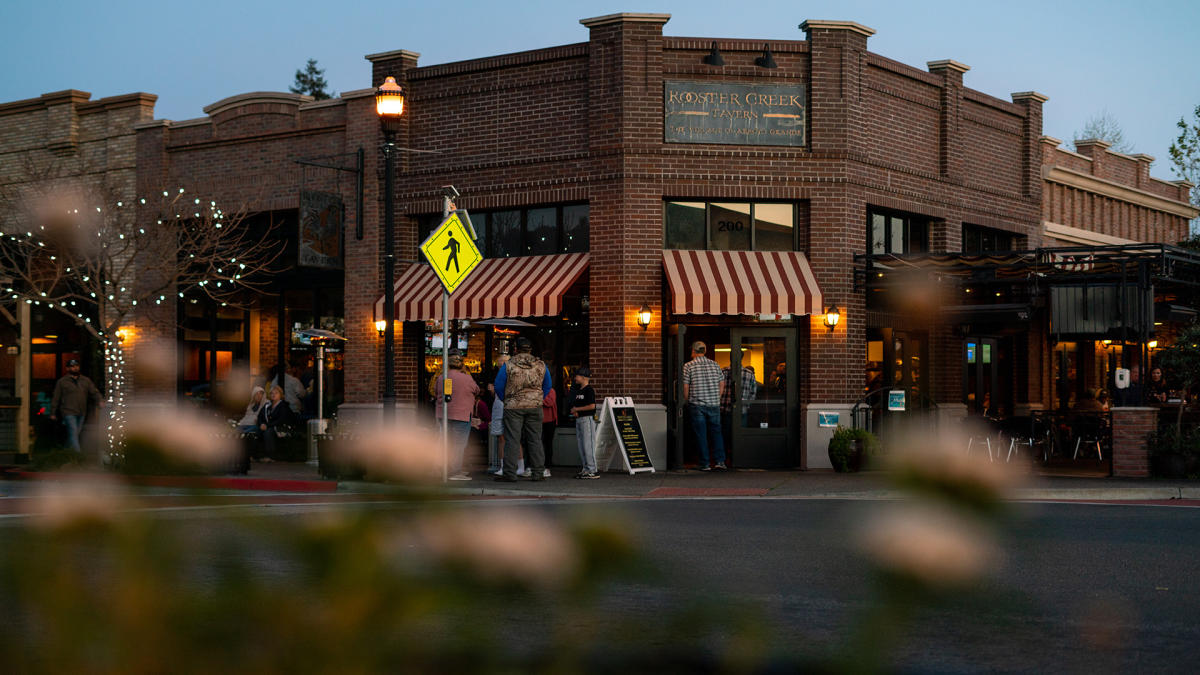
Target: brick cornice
x=947 y=64
x=626 y=17
x=818 y=24
x=1082 y=181
x=255 y=97
x=394 y=54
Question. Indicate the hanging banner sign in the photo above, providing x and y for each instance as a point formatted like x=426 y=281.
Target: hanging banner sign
x=322 y=219
x=619 y=435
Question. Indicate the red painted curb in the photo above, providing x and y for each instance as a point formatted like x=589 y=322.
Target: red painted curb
x=199 y=482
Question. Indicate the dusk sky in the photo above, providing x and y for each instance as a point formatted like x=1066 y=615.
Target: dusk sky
x=1135 y=60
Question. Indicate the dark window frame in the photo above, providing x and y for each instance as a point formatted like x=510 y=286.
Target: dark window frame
x=909 y=222
x=1004 y=240
x=708 y=224
x=488 y=240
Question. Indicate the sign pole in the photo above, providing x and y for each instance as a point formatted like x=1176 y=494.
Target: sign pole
x=445 y=364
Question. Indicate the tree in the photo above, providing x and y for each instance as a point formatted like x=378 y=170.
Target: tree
x=102 y=260
x=311 y=82
x=1185 y=156
x=1106 y=128
x=1182 y=361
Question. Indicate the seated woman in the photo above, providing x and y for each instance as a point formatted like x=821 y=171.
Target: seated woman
x=1089 y=402
x=273 y=417
x=249 y=422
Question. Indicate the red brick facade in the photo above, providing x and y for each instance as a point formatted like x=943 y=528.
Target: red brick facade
x=1131 y=430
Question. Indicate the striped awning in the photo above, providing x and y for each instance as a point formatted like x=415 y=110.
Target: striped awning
x=499 y=287
x=741 y=282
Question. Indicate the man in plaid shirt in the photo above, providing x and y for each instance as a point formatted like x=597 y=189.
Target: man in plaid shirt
x=703 y=388
x=749 y=387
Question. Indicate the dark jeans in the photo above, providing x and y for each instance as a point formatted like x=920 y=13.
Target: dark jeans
x=548 y=442
x=523 y=428
x=706 y=422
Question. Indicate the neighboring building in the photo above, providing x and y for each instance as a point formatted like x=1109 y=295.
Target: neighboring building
x=66 y=144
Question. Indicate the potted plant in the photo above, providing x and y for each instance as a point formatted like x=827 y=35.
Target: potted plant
x=849 y=448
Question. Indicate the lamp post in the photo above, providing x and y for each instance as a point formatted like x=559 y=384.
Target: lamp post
x=389 y=105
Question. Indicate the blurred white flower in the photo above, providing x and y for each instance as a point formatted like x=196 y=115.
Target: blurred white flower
x=933 y=545
x=80 y=499
x=403 y=452
x=183 y=434
x=503 y=544
x=943 y=458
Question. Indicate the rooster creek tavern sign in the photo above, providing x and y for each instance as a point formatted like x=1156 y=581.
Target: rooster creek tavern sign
x=739 y=114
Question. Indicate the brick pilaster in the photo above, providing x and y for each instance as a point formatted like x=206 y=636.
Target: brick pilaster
x=1131 y=428
x=951 y=148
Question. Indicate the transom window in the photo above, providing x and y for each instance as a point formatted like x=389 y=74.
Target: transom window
x=976 y=239
x=896 y=232
x=730 y=226
x=510 y=233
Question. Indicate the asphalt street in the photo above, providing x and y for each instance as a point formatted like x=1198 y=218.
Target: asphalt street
x=1080 y=587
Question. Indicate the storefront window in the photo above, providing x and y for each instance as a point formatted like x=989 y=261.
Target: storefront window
x=575 y=229
x=729 y=226
x=897 y=233
x=506 y=234
x=686 y=227
x=541 y=231
x=977 y=239
x=774 y=226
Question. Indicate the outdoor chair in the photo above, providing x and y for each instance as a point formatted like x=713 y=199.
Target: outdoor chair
x=1089 y=430
x=982 y=430
x=1019 y=431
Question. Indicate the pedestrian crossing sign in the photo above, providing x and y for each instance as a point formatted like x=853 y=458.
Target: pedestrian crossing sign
x=451 y=252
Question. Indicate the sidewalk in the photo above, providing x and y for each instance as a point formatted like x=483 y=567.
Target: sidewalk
x=303 y=478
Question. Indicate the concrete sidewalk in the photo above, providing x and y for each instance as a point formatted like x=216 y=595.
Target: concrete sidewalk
x=287 y=477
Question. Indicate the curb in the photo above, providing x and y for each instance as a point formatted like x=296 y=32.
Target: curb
x=195 y=482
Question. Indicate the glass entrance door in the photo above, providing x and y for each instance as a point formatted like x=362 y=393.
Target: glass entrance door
x=763 y=407
x=979 y=376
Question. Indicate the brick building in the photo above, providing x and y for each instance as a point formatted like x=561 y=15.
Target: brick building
x=739 y=189
x=82 y=151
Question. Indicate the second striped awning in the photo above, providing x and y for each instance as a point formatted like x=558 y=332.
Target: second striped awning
x=741 y=282
x=499 y=287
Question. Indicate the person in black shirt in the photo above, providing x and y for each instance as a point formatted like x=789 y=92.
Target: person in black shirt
x=583 y=407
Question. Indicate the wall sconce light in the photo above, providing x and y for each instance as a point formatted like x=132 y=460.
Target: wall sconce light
x=1153 y=344
x=643 y=317
x=1107 y=342
x=714 y=56
x=767 y=60
x=122 y=334
x=832 y=317
x=380 y=327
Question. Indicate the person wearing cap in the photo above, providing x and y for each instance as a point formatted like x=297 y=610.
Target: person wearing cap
x=523 y=384
x=72 y=394
x=583 y=408
x=463 y=393
x=703 y=386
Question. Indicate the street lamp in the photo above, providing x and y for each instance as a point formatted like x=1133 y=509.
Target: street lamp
x=389 y=105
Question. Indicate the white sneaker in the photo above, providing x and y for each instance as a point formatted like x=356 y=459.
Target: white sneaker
x=462 y=475
x=526 y=473
x=497 y=472
x=545 y=473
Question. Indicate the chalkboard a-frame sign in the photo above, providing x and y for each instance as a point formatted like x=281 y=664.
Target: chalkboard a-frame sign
x=619 y=435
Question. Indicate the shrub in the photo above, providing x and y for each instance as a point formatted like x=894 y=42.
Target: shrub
x=850 y=448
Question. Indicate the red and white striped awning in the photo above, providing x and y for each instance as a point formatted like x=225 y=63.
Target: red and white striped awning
x=741 y=282
x=499 y=287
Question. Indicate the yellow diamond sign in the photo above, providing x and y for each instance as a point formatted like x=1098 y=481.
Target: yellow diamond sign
x=451 y=252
